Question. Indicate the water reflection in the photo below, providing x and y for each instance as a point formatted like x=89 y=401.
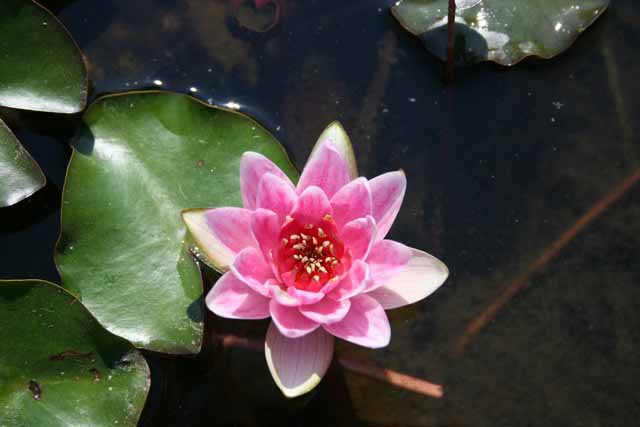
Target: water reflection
x=496 y=173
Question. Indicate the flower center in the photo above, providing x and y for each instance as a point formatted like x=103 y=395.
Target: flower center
x=310 y=254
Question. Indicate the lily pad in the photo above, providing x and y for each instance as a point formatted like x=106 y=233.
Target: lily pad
x=142 y=158
x=502 y=31
x=41 y=68
x=59 y=367
x=20 y=176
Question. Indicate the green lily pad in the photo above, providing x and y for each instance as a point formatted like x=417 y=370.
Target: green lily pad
x=41 y=67
x=142 y=158
x=59 y=367
x=20 y=176
x=502 y=31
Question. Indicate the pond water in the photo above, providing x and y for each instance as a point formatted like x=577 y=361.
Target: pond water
x=500 y=165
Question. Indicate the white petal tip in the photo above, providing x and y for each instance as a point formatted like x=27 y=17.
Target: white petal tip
x=336 y=133
x=250 y=155
x=335 y=130
x=440 y=271
x=302 y=389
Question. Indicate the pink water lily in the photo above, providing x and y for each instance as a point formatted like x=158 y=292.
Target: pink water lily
x=313 y=257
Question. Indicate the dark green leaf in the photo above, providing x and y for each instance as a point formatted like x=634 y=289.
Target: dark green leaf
x=502 y=31
x=41 y=68
x=142 y=159
x=59 y=367
x=20 y=176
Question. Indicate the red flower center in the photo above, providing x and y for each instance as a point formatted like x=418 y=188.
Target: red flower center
x=310 y=254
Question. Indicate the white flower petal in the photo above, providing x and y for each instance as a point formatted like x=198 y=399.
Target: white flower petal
x=298 y=364
x=419 y=279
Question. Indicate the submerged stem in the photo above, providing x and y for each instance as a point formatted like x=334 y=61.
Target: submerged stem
x=491 y=311
x=451 y=20
x=388 y=376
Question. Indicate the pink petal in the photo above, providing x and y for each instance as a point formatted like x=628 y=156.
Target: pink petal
x=359 y=236
x=290 y=321
x=277 y=195
x=232 y=299
x=353 y=283
x=252 y=167
x=366 y=324
x=282 y=297
x=332 y=284
x=289 y=278
x=251 y=268
x=219 y=255
x=326 y=311
x=419 y=279
x=341 y=142
x=265 y=227
x=351 y=202
x=305 y=297
x=386 y=260
x=325 y=169
x=387 y=193
x=294 y=297
x=297 y=365
x=232 y=227
x=219 y=233
x=311 y=206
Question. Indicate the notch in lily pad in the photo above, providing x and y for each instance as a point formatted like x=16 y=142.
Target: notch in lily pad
x=41 y=69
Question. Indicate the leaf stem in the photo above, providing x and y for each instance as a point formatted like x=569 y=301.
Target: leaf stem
x=451 y=20
x=369 y=370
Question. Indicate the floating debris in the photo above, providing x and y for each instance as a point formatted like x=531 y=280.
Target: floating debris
x=35 y=390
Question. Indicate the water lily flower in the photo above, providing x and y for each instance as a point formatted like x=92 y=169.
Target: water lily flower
x=313 y=257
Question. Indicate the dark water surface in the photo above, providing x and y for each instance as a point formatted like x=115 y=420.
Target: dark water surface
x=499 y=165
